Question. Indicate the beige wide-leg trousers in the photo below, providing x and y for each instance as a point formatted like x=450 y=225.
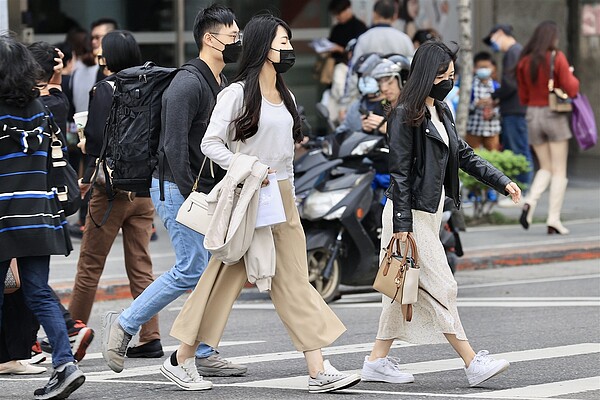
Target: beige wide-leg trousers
x=310 y=323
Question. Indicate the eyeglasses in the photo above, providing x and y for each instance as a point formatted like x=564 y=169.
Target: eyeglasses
x=97 y=37
x=234 y=36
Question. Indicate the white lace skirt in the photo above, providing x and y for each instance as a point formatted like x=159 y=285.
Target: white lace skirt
x=435 y=312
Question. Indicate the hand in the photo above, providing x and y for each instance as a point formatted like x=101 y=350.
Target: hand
x=514 y=191
x=371 y=122
x=58 y=67
x=83 y=187
x=81 y=145
x=266 y=181
x=402 y=236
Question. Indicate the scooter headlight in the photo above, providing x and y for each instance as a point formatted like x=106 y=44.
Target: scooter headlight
x=318 y=204
x=364 y=147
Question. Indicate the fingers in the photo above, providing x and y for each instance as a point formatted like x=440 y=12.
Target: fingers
x=514 y=191
x=402 y=236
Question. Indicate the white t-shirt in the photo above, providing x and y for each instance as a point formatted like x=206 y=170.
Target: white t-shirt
x=272 y=144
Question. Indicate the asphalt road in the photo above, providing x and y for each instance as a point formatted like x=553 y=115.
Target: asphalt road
x=544 y=319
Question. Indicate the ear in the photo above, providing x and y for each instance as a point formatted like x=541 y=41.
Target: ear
x=207 y=39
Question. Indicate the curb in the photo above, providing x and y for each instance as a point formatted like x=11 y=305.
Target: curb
x=118 y=289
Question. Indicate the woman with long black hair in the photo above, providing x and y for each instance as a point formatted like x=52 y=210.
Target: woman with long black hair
x=425 y=155
x=257 y=112
x=32 y=221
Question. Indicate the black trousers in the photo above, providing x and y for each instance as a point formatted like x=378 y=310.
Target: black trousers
x=18 y=330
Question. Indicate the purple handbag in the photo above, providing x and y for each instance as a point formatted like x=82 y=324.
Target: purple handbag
x=583 y=122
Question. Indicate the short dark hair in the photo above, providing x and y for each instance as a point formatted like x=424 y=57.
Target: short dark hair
x=44 y=54
x=104 y=21
x=209 y=19
x=120 y=50
x=385 y=9
x=483 y=56
x=337 y=6
x=19 y=73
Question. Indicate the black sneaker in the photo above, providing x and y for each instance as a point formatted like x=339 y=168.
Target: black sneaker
x=61 y=384
x=152 y=349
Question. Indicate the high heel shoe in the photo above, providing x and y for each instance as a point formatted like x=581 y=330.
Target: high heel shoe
x=559 y=230
x=523 y=219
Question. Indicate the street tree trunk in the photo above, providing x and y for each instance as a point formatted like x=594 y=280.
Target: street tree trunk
x=465 y=14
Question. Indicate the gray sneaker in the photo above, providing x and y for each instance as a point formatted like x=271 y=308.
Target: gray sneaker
x=114 y=341
x=331 y=379
x=216 y=366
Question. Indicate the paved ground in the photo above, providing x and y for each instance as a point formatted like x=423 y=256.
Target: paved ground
x=544 y=319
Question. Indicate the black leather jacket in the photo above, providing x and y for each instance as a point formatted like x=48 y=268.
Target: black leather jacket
x=420 y=162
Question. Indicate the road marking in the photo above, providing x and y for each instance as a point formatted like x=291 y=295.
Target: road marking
x=96 y=356
x=299 y=382
x=544 y=390
x=528 y=281
x=256 y=358
x=489 y=302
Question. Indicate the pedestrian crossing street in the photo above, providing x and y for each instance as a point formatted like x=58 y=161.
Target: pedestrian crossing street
x=149 y=375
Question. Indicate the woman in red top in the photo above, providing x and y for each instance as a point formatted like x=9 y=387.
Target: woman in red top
x=549 y=131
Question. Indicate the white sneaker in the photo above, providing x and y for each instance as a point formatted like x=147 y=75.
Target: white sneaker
x=483 y=367
x=184 y=375
x=385 y=370
x=331 y=379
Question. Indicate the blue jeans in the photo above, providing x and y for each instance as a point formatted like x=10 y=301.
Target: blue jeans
x=514 y=137
x=191 y=259
x=33 y=272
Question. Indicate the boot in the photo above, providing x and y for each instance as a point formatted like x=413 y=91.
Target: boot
x=558 y=187
x=538 y=186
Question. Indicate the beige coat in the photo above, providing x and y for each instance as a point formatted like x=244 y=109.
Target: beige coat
x=232 y=233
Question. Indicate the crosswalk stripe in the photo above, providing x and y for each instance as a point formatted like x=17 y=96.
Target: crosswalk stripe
x=544 y=390
x=299 y=382
x=256 y=358
x=493 y=302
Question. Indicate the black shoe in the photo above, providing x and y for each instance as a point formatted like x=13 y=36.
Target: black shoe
x=75 y=230
x=61 y=384
x=151 y=349
x=523 y=219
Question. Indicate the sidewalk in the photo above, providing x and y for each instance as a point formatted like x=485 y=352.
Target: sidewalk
x=484 y=247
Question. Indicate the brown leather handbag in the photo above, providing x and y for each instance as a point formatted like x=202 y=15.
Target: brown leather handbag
x=12 y=282
x=398 y=275
x=558 y=100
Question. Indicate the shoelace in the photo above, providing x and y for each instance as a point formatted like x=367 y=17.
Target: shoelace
x=192 y=373
x=393 y=362
x=482 y=358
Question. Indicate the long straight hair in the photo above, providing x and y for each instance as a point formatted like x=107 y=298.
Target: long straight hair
x=544 y=39
x=431 y=59
x=259 y=33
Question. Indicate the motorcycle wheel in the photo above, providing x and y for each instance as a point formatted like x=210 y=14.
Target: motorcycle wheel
x=317 y=262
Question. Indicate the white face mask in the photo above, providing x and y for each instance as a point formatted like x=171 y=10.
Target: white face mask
x=483 y=73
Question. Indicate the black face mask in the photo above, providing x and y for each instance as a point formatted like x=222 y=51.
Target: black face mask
x=231 y=52
x=440 y=90
x=287 y=58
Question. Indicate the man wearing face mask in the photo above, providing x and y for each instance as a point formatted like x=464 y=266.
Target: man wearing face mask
x=514 y=126
x=483 y=126
x=187 y=105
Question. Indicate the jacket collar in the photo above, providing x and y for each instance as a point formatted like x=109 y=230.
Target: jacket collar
x=432 y=132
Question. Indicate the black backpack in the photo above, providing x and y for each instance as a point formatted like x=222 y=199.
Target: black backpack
x=130 y=150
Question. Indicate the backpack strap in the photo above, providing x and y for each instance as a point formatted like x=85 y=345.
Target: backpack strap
x=193 y=66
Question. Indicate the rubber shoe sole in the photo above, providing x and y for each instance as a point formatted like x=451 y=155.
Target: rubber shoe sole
x=71 y=384
x=82 y=341
x=205 y=386
x=342 y=384
x=369 y=377
x=489 y=374
x=221 y=372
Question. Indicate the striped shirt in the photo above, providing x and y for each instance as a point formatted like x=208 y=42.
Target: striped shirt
x=32 y=222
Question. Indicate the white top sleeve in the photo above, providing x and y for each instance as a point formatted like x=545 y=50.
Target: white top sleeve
x=220 y=131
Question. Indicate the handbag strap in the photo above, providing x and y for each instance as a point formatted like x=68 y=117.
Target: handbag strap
x=212 y=173
x=389 y=250
x=551 y=79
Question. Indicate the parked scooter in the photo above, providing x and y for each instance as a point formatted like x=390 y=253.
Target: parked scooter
x=341 y=244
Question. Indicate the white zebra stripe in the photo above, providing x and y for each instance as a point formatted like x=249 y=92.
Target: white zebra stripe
x=50 y=193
